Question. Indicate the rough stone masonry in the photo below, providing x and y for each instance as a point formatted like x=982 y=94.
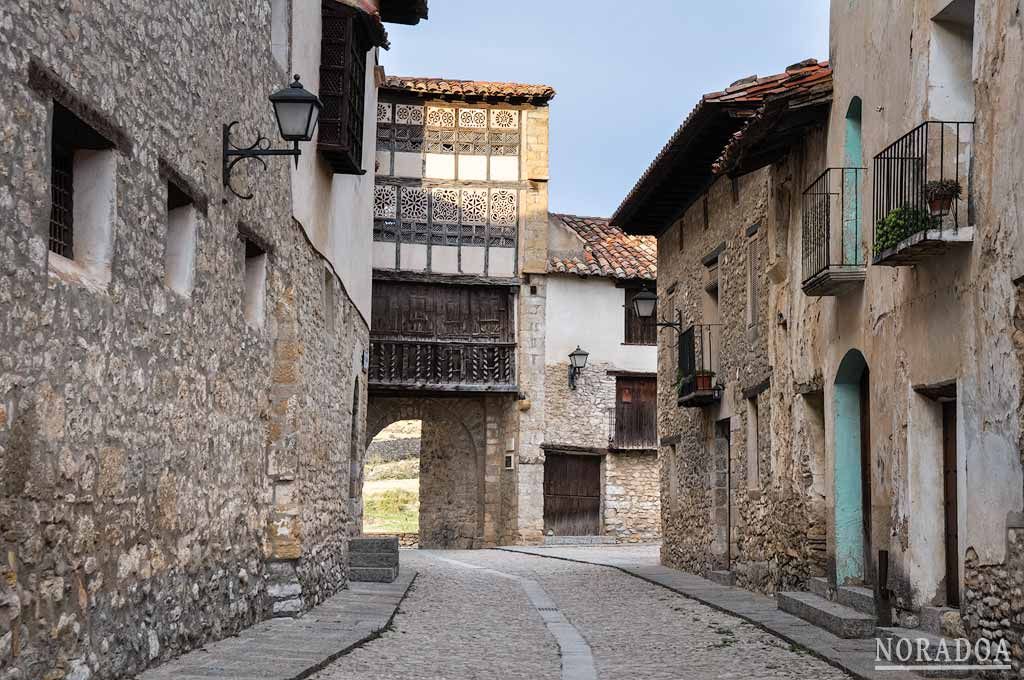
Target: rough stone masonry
x=140 y=429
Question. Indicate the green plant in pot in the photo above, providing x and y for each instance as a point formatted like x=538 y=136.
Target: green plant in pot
x=899 y=224
x=940 y=195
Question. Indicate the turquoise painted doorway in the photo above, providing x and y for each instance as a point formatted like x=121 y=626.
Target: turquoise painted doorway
x=852 y=473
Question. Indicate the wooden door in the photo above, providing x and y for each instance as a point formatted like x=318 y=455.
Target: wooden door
x=949 y=486
x=636 y=413
x=572 y=495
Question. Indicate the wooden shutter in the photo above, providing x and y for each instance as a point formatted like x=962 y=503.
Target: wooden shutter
x=343 y=48
x=636 y=412
x=638 y=331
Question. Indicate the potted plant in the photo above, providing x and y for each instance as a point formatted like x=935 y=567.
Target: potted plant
x=703 y=380
x=899 y=224
x=940 y=195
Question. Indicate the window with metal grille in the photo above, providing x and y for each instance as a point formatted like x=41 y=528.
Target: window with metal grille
x=639 y=331
x=62 y=210
x=343 y=49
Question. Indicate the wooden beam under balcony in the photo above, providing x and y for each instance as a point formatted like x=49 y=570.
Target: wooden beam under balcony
x=834 y=280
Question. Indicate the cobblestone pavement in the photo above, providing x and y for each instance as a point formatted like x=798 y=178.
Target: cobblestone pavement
x=462 y=623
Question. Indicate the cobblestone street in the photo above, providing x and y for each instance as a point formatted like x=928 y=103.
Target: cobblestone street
x=464 y=619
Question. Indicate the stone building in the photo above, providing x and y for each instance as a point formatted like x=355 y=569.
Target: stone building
x=891 y=318
x=600 y=428
x=182 y=389
x=461 y=333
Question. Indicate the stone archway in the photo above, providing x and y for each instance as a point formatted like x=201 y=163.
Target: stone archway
x=852 y=474
x=451 y=464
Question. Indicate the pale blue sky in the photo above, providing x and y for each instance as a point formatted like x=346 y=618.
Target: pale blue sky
x=626 y=73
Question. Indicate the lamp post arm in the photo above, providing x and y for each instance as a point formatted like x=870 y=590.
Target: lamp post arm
x=258 y=150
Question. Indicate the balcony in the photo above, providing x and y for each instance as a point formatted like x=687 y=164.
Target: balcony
x=832 y=259
x=698 y=361
x=922 y=194
x=442 y=366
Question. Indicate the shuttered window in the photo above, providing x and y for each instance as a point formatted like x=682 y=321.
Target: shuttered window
x=343 y=49
x=638 y=331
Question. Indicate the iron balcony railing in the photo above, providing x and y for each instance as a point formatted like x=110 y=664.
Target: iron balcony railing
x=834 y=198
x=934 y=151
x=437 y=363
x=698 y=362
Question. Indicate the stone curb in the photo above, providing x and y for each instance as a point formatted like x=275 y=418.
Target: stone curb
x=855 y=657
x=293 y=649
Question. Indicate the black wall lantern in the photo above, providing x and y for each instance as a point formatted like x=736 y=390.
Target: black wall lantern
x=577 y=362
x=644 y=305
x=297 y=111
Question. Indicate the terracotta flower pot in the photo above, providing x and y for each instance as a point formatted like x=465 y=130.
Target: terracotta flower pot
x=703 y=381
x=939 y=205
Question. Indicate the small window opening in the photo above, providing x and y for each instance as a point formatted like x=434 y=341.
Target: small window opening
x=180 y=246
x=328 y=300
x=753 y=462
x=254 y=299
x=83 y=194
x=707 y=216
x=509 y=461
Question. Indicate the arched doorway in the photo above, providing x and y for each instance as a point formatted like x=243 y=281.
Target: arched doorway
x=391 y=482
x=852 y=474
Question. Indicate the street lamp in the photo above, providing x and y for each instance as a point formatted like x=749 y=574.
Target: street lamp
x=644 y=303
x=297 y=111
x=577 y=362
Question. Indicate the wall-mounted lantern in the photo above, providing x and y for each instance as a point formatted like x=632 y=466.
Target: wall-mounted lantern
x=577 y=362
x=297 y=111
x=646 y=302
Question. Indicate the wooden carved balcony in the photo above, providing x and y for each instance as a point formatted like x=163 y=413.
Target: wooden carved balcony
x=442 y=365
x=831 y=234
x=909 y=228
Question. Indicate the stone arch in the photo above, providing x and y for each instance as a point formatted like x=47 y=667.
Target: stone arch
x=851 y=435
x=452 y=448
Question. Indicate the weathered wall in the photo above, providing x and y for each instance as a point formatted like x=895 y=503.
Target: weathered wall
x=140 y=430
x=632 y=502
x=583 y=417
x=716 y=502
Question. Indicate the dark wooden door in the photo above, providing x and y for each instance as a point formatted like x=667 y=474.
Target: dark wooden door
x=572 y=495
x=865 y=473
x=950 y=505
x=636 y=413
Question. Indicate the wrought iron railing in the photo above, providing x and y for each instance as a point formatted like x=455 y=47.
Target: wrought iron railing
x=438 y=362
x=905 y=171
x=698 y=359
x=832 y=199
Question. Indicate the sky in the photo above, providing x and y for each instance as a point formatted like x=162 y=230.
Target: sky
x=626 y=72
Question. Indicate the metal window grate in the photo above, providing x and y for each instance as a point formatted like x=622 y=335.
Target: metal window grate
x=62 y=196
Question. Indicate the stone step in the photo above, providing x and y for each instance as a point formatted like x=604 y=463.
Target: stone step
x=373 y=559
x=373 y=544
x=941 y=621
x=579 y=540
x=373 y=574
x=819 y=585
x=914 y=636
x=841 y=621
x=723 y=577
x=857 y=597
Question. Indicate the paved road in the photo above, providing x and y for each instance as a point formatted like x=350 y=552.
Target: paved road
x=499 y=615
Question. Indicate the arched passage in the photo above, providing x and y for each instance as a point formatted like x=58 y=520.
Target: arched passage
x=852 y=472
x=451 y=467
x=853 y=151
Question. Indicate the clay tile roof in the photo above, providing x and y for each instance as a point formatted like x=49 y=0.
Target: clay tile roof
x=446 y=87
x=700 y=140
x=607 y=251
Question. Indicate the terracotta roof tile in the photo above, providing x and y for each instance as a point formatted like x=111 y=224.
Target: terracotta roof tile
x=446 y=87
x=607 y=251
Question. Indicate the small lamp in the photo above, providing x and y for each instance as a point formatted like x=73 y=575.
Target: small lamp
x=297 y=111
x=644 y=303
x=577 y=362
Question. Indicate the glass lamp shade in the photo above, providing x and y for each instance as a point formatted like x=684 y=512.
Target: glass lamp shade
x=297 y=112
x=644 y=303
x=578 y=358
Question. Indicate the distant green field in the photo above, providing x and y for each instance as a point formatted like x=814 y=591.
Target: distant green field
x=391 y=497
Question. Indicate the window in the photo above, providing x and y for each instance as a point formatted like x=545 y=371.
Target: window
x=638 y=331
x=280 y=27
x=636 y=413
x=180 y=247
x=254 y=298
x=753 y=276
x=343 y=49
x=83 y=194
x=707 y=216
x=328 y=300
x=509 y=461
x=753 y=463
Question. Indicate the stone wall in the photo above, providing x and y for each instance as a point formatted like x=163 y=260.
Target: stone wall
x=722 y=506
x=157 y=452
x=584 y=417
x=388 y=450
x=632 y=501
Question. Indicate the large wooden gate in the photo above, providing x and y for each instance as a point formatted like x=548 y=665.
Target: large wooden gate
x=572 y=495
